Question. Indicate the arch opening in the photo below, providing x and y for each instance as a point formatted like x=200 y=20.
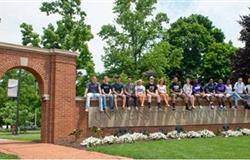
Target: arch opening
x=30 y=103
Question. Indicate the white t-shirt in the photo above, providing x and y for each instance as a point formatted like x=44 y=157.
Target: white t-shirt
x=239 y=87
x=229 y=89
x=139 y=89
x=161 y=89
x=187 y=89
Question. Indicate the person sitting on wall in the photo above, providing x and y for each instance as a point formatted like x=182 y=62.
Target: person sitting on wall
x=230 y=95
x=187 y=91
x=140 y=93
x=210 y=92
x=176 y=91
x=151 y=90
x=197 y=91
x=220 y=93
x=106 y=89
x=129 y=90
x=247 y=96
x=93 y=90
x=239 y=88
x=118 y=91
x=163 y=91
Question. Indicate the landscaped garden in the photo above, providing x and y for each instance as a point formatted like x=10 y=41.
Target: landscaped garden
x=216 y=147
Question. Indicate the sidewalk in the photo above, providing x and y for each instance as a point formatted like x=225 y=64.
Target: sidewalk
x=26 y=150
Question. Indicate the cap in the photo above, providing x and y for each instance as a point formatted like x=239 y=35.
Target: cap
x=151 y=77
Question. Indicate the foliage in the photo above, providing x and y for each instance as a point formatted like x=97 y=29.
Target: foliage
x=240 y=62
x=199 y=39
x=216 y=62
x=29 y=100
x=133 y=42
x=69 y=33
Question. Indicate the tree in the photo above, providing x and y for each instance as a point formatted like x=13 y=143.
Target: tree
x=196 y=36
x=69 y=33
x=29 y=100
x=216 y=62
x=240 y=61
x=133 y=42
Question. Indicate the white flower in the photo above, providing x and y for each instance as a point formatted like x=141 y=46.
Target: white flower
x=139 y=136
x=126 y=138
x=245 y=131
x=193 y=134
x=175 y=135
x=91 y=142
x=157 y=136
x=231 y=133
x=109 y=139
x=206 y=133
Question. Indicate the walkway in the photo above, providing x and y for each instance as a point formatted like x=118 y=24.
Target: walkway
x=26 y=150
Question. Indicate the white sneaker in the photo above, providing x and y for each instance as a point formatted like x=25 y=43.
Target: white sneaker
x=136 y=108
x=221 y=106
x=101 y=110
x=129 y=108
x=200 y=106
x=212 y=107
x=86 y=110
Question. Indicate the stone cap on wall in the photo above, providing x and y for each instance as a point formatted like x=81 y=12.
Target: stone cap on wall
x=11 y=46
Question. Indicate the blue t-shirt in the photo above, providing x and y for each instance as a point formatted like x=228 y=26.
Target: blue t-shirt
x=106 y=88
x=220 y=88
x=210 y=88
x=118 y=87
x=197 y=88
x=93 y=87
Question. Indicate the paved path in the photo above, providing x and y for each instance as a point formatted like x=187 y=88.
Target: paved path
x=27 y=150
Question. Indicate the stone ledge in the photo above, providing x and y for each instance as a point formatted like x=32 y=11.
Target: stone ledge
x=36 y=49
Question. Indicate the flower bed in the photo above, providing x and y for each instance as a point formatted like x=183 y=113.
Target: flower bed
x=131 y=138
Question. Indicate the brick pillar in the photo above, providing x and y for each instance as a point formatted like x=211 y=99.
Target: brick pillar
x=63 y=97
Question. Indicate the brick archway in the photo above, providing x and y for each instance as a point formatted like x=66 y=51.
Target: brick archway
x=55 y=71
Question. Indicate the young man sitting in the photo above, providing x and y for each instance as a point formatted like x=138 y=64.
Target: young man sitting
x=151 y=90
x=176 y=91
x=118 y=91
x=93 y=90
x=210 y=92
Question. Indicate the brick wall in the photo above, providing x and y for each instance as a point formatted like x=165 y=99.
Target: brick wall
x=55 y=71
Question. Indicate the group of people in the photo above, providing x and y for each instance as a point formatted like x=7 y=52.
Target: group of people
x=190 y=92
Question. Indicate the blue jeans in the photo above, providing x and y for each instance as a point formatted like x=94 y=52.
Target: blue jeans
x=104 y=102
x=93 y=95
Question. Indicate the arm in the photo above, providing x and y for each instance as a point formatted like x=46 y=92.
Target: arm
x=136 y=94
x=86 y=91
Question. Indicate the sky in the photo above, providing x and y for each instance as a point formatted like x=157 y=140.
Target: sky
x=223 y=13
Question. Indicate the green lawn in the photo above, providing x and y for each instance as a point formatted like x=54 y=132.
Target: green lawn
x=7 y=156
x=29 y=136
x=218 y=147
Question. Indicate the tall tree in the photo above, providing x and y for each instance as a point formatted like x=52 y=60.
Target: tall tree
x=197 y=36
x=216 y=62
x=70 y=33
x=240 y=62
x=29 y=100
x=133 y=42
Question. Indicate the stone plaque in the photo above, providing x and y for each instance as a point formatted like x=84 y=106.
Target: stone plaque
x=167 y=117
x=24 y=61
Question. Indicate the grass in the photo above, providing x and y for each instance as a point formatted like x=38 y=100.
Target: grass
x=209 y=148
x=8 y=156
x=29 y=136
